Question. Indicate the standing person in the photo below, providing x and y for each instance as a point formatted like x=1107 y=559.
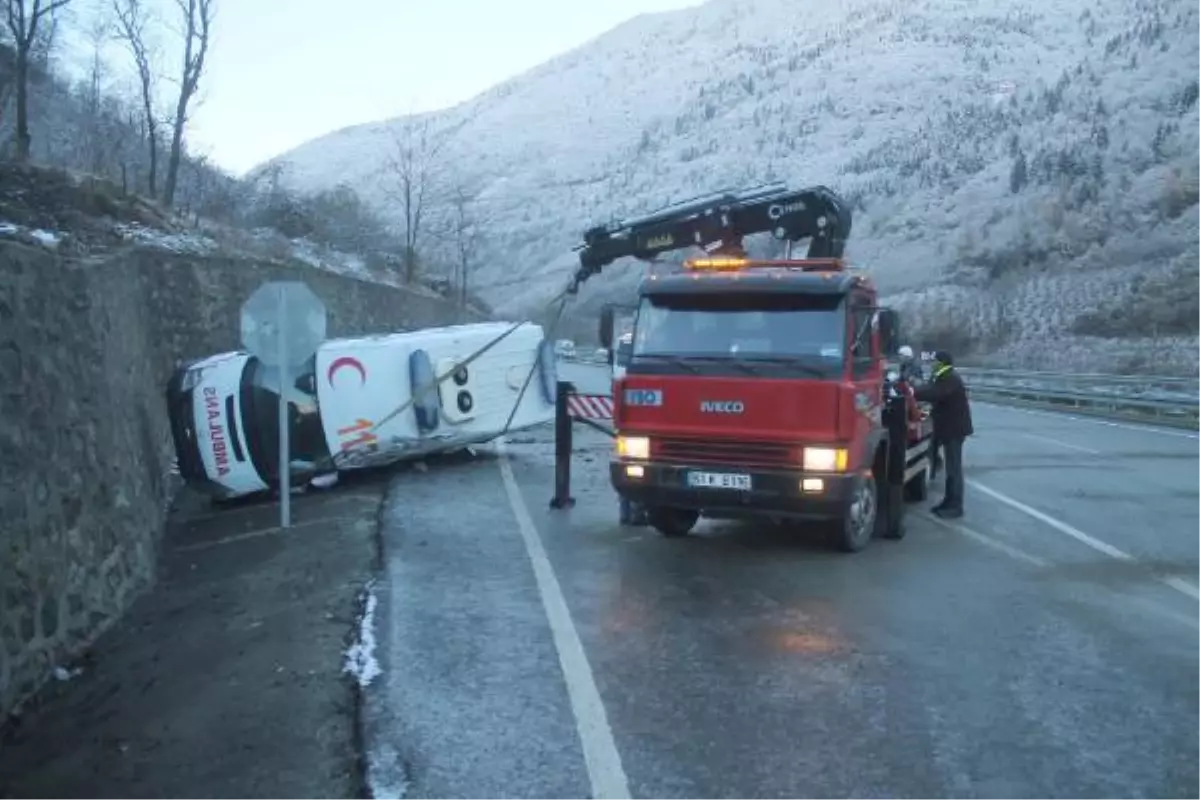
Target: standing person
x=910 y=371
x=951 y=427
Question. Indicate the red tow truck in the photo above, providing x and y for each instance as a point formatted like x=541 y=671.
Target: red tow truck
x=758 y=388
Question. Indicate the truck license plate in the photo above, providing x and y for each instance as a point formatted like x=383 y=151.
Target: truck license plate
x=718 y=480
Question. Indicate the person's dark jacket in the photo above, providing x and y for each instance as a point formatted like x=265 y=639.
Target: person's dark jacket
x=951 y=411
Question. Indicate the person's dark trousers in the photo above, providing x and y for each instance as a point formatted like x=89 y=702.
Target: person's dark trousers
x=953 y=500
x=935 y=458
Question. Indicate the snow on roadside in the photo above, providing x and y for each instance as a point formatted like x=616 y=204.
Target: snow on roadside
x=207 y=242
x=66 y=673
x=315 y=255
x=386 y=777
x=182 y=243
x=360 y=656
x=47 y=239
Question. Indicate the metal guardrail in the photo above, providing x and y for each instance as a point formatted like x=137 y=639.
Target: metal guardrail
x=1164 y=398
x=1170 y=399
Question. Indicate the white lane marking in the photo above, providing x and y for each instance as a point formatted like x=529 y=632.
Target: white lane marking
x=1149 y=606
x=1060 y=443
x=1175 y=583
x=987 y=541
x=1157 y=608
x=603 y=762
x=1093 y=420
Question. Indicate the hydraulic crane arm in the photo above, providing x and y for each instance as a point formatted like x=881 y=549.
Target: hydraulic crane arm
x=722 y=219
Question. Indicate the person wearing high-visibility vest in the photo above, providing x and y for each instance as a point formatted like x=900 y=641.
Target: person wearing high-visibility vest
x=952 y=425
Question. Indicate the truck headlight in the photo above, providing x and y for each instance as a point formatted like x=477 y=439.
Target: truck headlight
x=825 y=459
x=633 y=447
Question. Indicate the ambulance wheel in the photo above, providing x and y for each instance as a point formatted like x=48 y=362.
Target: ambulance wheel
x=856 y=527
x=672 y=522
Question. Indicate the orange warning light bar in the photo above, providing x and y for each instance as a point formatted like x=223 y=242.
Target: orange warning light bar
x=737 y=264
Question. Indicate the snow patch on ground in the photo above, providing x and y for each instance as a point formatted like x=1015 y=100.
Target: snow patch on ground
x=360 y=656
x=385 y=774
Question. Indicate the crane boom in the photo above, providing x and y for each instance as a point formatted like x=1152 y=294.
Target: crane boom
x=723 y=218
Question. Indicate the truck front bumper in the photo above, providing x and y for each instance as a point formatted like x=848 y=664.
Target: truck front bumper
x=791 y=494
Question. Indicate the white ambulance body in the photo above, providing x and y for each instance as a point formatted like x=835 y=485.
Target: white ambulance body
x=352 y=406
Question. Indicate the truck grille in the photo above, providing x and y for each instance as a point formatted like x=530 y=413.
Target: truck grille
x=708 y=451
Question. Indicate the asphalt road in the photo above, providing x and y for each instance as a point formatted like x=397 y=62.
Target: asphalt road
x=1044 y=646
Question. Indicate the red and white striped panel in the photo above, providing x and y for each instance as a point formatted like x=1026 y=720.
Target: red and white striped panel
x=590 y=406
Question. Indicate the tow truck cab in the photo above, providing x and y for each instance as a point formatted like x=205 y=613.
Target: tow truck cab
x=754 y=390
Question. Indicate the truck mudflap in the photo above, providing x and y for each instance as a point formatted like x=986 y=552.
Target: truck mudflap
x=733 y=492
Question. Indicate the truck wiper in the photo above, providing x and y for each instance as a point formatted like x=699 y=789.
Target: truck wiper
x=791 y=361
x=733 y=362
x=670 y=359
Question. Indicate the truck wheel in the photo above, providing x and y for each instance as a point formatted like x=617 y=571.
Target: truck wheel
x=672 y=522
x=626 y=509
x=857 y=525
x=917 y=489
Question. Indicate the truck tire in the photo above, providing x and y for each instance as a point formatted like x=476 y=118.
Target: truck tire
x=856 y=528
x=672 y=522
x=917 y=489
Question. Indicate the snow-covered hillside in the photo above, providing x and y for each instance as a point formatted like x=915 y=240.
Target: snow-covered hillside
x=1016 y=164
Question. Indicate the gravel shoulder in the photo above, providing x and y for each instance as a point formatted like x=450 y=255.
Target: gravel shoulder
x=227 y=678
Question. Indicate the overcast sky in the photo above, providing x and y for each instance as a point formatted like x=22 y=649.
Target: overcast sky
x=285 y=71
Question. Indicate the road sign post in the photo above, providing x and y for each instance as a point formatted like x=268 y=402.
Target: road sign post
x=283 y=324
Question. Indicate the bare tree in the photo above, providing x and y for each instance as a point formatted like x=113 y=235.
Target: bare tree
x=412 y=167
x=95 y=154
x=7 y=68
x=196 y=187
x=131 y=18
x=465 y=222
x=197 y=26
x=24 y=18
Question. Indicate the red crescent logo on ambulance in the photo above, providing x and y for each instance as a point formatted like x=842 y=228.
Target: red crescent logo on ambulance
x=347 y=361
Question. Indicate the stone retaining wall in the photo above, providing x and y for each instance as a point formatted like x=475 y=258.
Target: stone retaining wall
x=86 y=348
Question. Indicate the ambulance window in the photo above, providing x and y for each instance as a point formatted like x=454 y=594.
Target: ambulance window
x=260 y=414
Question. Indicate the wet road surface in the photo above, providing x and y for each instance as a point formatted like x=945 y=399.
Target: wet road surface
x=1045 y=645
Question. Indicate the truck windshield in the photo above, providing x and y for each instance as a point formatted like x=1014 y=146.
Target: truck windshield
x=260 y=416
x=750 y=328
